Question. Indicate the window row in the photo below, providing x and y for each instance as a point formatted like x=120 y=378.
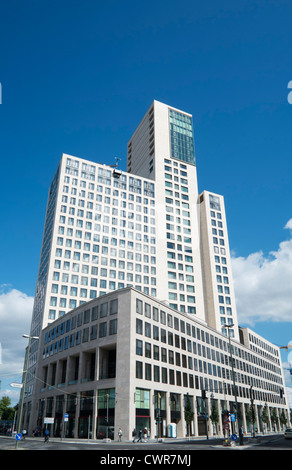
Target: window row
x=76 y=267
x=104 y=272
x=82 y=318
x=81 y=336
x=158 y=315
x=176 y=358
x=106 y=173
x=133 y=188
x=169 y=376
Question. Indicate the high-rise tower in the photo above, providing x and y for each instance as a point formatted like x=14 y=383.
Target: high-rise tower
x=106 y=229
x=191 y=228
x=148 y=256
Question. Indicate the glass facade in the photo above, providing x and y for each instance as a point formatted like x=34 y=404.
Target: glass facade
x=181 y=137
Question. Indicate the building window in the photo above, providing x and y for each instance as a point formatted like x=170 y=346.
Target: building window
x=113 y=327
x=139 y=347
x=148 y=350
x=103 y=310
x=113 y=306
x=148 y=375
x=93 y=333
x=139 y=306
x=156 y=374
x=102 y=329
x=139 y=370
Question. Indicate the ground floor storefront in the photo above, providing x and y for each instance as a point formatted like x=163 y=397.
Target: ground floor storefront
x=99 y=414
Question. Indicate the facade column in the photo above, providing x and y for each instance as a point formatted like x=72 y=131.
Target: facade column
x=168 y=408
x=96 y=373
x=243 y=417
x=63 y=422
x=257 y=418
x=77 y=414
x=181 y=423
x=196 y=431
x=153 y=427
x=94 y=415
x=208 y=421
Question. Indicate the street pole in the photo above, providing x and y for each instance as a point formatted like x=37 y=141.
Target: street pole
x=24 y=382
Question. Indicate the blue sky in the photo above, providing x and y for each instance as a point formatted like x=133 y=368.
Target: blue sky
x=77 y=77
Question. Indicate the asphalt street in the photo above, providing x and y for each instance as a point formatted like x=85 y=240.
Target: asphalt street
x=168 y=446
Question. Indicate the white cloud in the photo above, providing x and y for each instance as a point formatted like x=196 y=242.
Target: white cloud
x=15 y=318
x=289 y=224
x=263 y=285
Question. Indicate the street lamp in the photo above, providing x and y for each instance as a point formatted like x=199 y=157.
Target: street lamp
x=24 y=381
x=233 y=375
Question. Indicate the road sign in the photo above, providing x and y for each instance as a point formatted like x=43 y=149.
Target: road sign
x=18 y=436
x=66 y=417
x=16 y=385
x=226 y=426
x=234 y=437
x=232 y=417
x=48 y=420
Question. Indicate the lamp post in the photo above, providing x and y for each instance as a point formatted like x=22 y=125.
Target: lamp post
x=24 y=382
x=233 y=375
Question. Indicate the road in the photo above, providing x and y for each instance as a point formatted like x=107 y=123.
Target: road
x=168 y=447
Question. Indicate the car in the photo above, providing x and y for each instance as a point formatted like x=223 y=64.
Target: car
x=288 y=433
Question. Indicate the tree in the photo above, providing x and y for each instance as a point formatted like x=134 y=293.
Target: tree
x=283 y=418
x=189 y=414
x=265 y=415
x=274 y=417
x=251 y=417
x=6 y=411
x=214 y=414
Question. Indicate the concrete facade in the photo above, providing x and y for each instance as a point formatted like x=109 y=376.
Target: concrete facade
x=133 y=359
x=113 y=234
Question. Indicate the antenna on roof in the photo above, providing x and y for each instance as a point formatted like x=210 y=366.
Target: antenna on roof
x=116 y=164
x=117 y=172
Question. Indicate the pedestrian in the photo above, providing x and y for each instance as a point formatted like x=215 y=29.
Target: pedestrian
x=148 y=434
x=47 y=434
x=145 y=435
x=241 y=434
x=120 y=434
x=134 y=434
x=140 y=436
